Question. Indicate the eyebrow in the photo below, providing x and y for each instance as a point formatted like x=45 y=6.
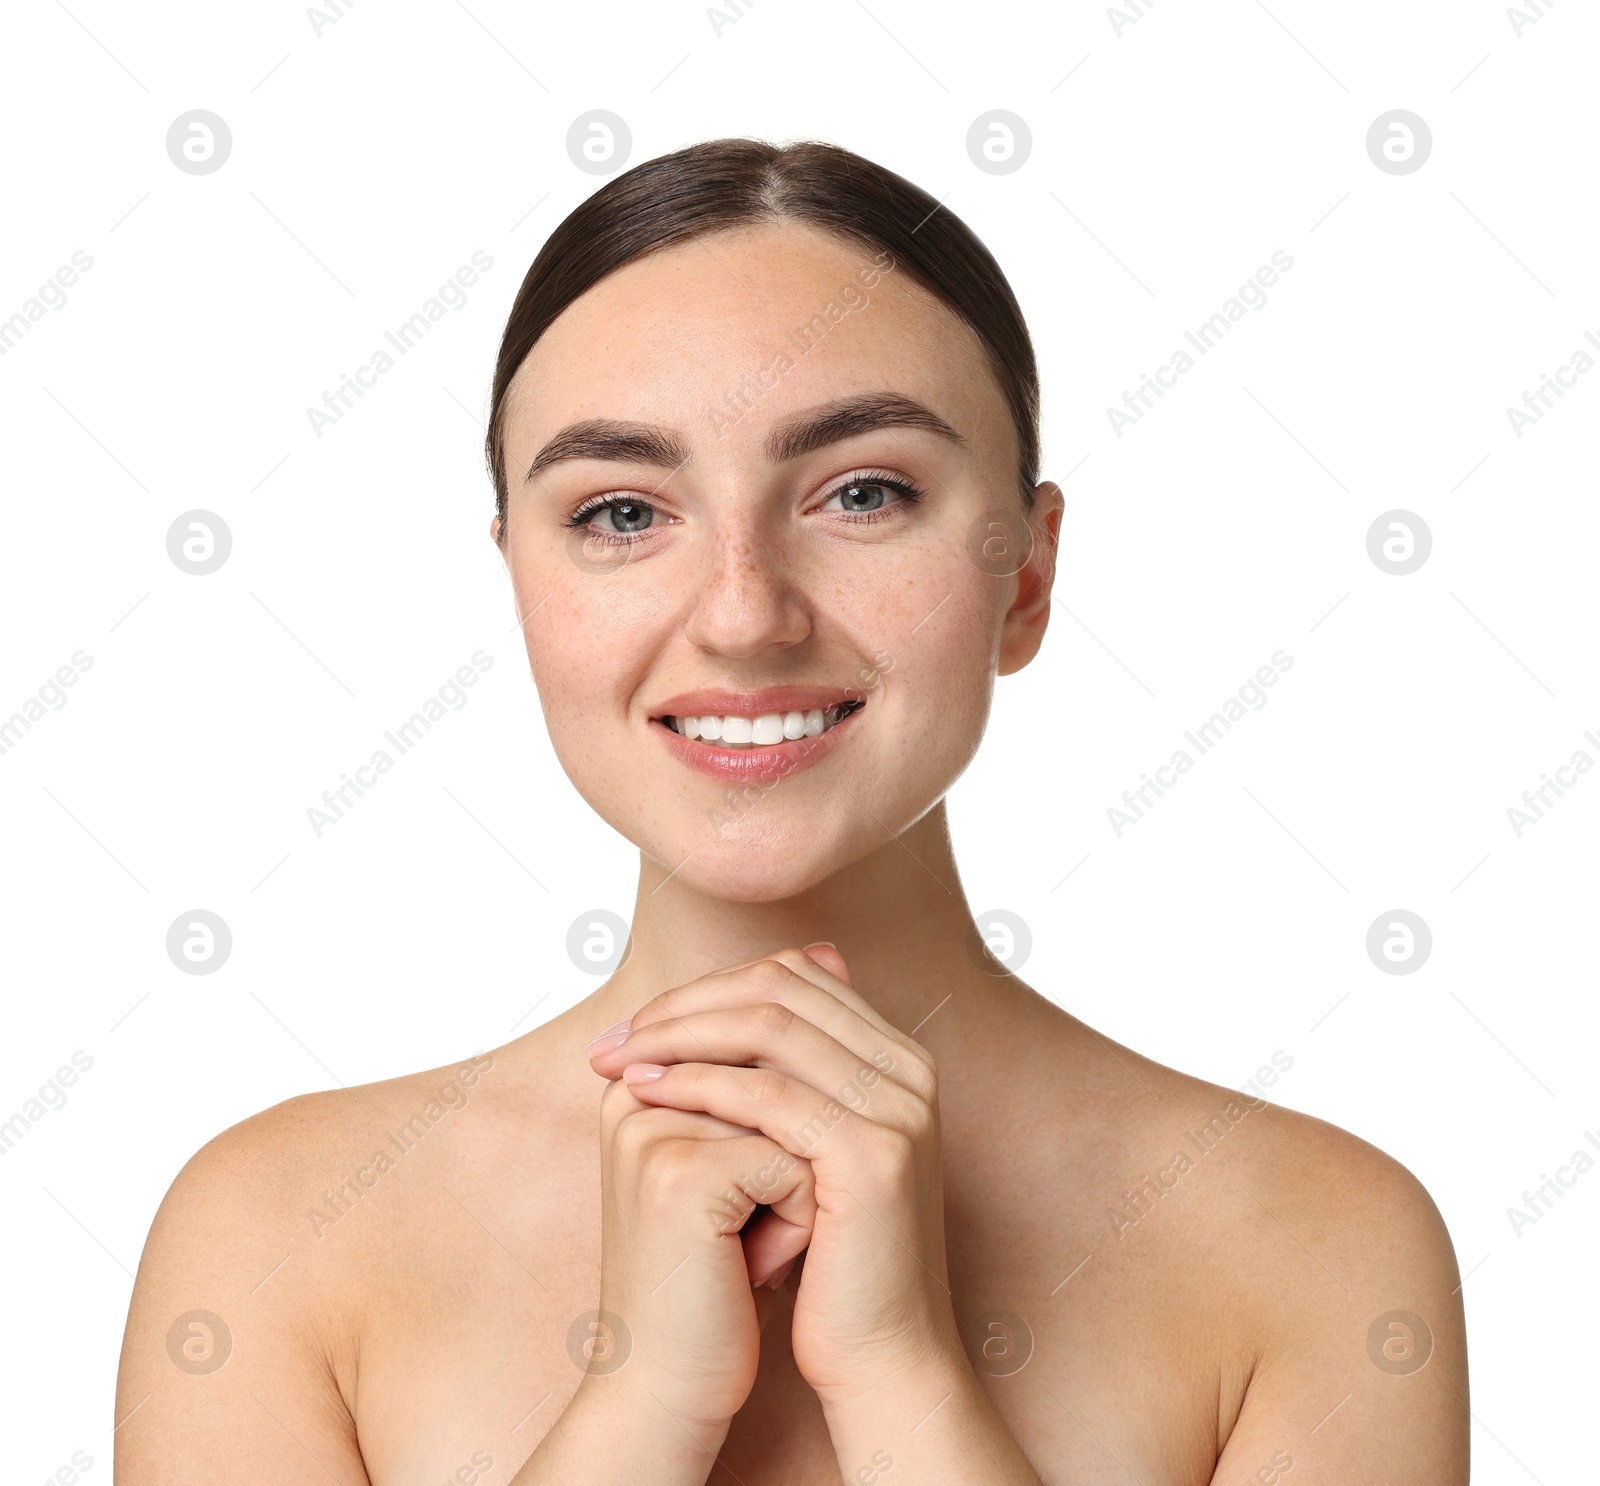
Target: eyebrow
x=606 y=438
x=849 y=416
x=816 y=428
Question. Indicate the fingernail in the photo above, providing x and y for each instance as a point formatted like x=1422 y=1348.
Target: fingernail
x=607 y=1041
x=822 y=944
x=612 y=1032
x=780 y=1274
x=642 y=1073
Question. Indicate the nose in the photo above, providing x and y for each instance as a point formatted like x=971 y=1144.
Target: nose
x=750 y=600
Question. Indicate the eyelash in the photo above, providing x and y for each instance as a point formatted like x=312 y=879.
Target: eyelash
x=579 y=520
x=909 y=494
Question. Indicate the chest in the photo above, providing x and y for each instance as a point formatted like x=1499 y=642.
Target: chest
x=481 y=1317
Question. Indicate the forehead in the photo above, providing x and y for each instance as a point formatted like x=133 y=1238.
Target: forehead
x=725 y=334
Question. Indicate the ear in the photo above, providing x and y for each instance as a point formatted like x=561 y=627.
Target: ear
x=1023 y=629
x=494 y=530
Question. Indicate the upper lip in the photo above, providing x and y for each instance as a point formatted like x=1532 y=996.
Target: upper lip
x=714 y=702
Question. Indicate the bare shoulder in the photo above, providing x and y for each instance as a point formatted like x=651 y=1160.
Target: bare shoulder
x=1307 y=1206
x=319 y=1149
x=1356 y=1317
x=1372 y=1209
x=1326 y=1266
x=250 y=1285
x=1158 y=1132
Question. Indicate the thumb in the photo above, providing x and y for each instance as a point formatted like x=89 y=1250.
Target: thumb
x=828 y=956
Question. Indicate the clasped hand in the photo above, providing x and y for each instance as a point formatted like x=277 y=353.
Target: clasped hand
x=771 y=1083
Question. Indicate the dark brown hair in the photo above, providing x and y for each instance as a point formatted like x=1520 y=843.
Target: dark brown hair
x=728 y=183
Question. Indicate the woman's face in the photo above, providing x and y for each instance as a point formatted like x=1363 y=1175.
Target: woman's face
x=772 y=478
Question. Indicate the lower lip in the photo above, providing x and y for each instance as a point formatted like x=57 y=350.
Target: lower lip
x=760 y=763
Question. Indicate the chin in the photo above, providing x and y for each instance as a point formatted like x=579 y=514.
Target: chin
x=752 y=882
x=744 y=864
x=765 y=855
x=767 y=843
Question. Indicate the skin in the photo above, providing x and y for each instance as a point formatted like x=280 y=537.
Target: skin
x=809 y=1027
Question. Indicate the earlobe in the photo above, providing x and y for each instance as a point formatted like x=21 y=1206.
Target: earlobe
x=494 y=530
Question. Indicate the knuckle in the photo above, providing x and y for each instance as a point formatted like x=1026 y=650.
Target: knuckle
x=730 y=1209
x=919 y=1121
x=666 y=1166
x=633 y=1133
x=653 y=1010
x=773 y=1019
x=780 y=1164
x=912 y=1066
x=770 y=975
x=892 y=1150
x=767 y=1085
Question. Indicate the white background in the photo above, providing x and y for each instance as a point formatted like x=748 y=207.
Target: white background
x=1171 y=156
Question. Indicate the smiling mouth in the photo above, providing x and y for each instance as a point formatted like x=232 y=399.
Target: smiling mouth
x=767 y=730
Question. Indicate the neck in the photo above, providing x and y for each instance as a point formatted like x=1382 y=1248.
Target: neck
x=898 y=916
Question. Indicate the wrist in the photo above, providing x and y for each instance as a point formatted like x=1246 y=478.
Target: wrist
x=656 y=1424
x=932 y=1420
x=926 y=1373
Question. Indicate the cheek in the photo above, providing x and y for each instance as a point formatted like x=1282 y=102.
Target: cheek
x=935 y=614
x=582 y=643
x=582 y=675
x=931 y=647
x=585 y=663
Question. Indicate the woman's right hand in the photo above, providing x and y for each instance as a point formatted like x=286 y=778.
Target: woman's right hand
x=677 y=1188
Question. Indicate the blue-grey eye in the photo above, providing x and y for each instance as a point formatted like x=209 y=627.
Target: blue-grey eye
x=861 y=496
x=623 y=516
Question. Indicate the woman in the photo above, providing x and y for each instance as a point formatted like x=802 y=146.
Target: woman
x=765 y=446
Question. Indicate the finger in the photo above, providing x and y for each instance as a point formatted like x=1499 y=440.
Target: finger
x=618 y=1103
x=771 y=1247
x=769 y=1035
x=827 y=955
x=815 y=968
x=776 y=981
x=799 y=963
x=801 y=1119
x=711 y=1188
x=775 y=978
x=772 y=1244
x=758 y=1171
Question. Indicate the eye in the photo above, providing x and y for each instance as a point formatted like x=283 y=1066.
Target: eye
x=869 y=495
x=614 y=516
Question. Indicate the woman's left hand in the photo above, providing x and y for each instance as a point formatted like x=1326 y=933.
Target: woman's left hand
x=785 y=1046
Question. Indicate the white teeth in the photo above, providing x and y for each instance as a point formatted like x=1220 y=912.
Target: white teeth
x=763 y=731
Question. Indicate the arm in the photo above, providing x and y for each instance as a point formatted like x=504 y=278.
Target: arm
x=239 y=1362
x=615 y=1431
x=222 y=1380
x=1363 y=1371
x=934 y=1422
